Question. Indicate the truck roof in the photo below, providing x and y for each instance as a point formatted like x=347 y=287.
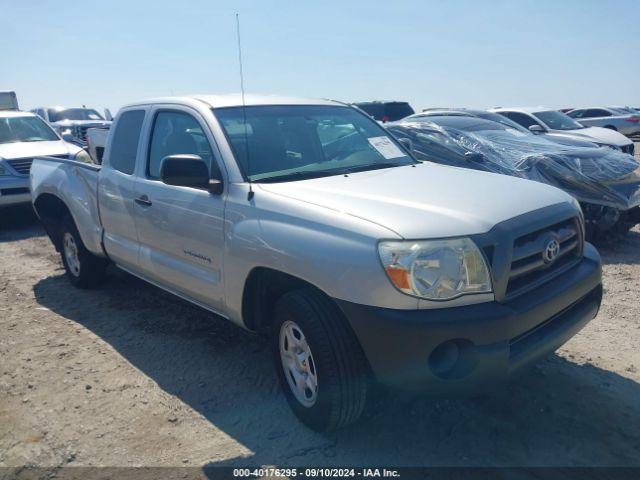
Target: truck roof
x=235 y=100
x=15 y=113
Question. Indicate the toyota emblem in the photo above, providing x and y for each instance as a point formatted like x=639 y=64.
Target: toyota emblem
x=551 y=251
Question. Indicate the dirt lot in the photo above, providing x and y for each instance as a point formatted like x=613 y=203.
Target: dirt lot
x=128 y=375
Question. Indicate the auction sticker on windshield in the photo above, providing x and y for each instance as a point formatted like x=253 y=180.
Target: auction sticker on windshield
x=386 y=147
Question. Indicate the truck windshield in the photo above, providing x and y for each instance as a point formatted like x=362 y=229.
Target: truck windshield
x=294 y=142
x=74 y=114
x=25 y=129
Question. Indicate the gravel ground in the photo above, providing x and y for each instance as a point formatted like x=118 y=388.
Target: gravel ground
x=127 y=375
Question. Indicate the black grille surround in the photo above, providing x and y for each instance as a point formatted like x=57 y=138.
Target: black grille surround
x=514 y=249
x=528 y=267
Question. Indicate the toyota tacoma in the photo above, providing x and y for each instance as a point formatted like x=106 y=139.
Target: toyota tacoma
x=307 y=220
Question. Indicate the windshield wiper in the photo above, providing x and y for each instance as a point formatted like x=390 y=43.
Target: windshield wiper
x=304 y=175
x=365 y=168
x=296 y=176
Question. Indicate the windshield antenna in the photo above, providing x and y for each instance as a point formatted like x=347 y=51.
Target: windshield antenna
x=244 y=109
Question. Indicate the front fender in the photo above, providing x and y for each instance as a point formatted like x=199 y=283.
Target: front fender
x=331 y=250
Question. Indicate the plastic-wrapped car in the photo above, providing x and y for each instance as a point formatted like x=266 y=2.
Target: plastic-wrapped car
x=605 y=182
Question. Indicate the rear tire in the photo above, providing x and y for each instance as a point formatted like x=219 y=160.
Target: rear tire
x=313 y=346
x=84 y=270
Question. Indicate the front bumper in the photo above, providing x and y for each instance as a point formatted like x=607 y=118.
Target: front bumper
x=467 y=349
x=14 y=191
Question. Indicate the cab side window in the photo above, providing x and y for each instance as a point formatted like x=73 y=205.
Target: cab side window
x=125 y=141
x=176 y=133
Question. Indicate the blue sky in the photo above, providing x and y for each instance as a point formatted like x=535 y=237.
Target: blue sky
x=432 y=53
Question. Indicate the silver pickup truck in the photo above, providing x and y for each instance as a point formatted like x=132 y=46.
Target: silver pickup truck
x=306 y=220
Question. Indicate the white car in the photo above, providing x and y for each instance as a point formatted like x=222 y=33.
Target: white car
x=24 y=136
x=557 y=126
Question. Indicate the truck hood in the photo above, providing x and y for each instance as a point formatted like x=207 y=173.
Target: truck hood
x=425 y=201
x=81 y=123
x=594 y=134
x=10 y=151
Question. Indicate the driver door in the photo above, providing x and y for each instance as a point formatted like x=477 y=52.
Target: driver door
x=180 y=229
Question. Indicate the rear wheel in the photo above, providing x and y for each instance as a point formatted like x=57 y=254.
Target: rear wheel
x=321 y=366
x=84 y=269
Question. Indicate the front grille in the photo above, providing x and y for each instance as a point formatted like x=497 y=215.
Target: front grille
x=528 y=267
x=21 y=165
x=628 y=149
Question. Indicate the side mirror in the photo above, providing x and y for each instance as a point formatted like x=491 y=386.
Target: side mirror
x=474 y=157
x=537 y=129
x=188 y=171
x=406 y=143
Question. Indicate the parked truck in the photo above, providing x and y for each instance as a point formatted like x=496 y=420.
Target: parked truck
x=72 y=123
x=306 y=220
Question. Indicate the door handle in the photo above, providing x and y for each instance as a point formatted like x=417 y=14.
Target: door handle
x=144 y=201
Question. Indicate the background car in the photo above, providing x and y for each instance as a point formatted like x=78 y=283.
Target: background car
x=609 y=117
x=495 y=117
x=606 y=182
x=386 y=111
x=73 y=122
x=24 y=136
x=554 y=125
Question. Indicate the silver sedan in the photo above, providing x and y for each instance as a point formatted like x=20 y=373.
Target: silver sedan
x=615 y=118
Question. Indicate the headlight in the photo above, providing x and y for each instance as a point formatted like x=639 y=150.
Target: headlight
x=83 y=156
x=436 y=269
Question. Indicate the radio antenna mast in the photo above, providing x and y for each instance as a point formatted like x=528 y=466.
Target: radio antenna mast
x=244 y=109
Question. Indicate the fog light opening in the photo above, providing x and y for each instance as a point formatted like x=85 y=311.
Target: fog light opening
x=453 y=359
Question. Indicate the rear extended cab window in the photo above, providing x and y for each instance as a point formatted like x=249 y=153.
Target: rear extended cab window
x=126 y=137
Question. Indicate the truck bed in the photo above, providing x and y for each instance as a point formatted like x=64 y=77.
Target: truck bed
x=76 y=184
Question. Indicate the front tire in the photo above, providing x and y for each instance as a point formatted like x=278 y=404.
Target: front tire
x=320 y=363
x=84 y=270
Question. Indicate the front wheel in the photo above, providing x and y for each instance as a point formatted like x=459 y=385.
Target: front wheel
x=321 y=366
x=84 y=269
